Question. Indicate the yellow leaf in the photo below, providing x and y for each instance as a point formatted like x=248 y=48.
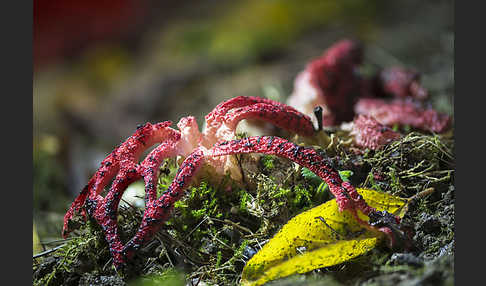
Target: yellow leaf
x=382 y=201
x=325 y=235
x=332 y=254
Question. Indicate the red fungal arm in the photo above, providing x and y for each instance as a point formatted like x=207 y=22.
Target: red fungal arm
x=221 y=123
x=106 y=211
x=122 y=160
x=346 y=195
x=216 y=118
x=149 y=169
x=369 y=133
x=221 y=109
x=285 y=118
x=403 y=112
x=109 y=168
x=158 y=211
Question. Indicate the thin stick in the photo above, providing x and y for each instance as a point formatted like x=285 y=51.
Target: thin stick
x=196 y=227
x=332 y=229
x=234 y=224
x=55 y=241
x=48 y=251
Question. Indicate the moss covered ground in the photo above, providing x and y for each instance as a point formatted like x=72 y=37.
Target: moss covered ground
x=220 y=224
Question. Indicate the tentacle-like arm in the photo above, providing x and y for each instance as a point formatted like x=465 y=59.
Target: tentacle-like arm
x=229 y=113
x=158 y=211
x=149 y=168
x=122 y=161
x=346 y=195
x=284 y=118
x=109 y=168
x=221 y=124
x=240 y=101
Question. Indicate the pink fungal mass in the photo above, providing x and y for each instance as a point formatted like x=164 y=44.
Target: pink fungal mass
x=333 y=82
x=403 y=112
x=401 y=83
x=369 y=133
x=330 y=81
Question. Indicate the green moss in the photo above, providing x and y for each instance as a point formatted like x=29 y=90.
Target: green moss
x=394 y=180
x=267 y=161
x=244 y=199
x=370 y=181
x=88 y=251
x=168 y=171
x=218 y=259
x=309 y=175
x=170 y=277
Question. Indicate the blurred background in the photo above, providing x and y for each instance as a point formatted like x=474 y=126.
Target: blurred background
x=103 y=67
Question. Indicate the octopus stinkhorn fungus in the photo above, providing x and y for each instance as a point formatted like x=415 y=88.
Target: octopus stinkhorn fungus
x=211 y=146
x=332 y=81
x=403 y=112
x=369 y=133
x=122 y=168
x=401 y=83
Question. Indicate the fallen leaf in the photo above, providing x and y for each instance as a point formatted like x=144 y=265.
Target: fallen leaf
x=320 y=237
